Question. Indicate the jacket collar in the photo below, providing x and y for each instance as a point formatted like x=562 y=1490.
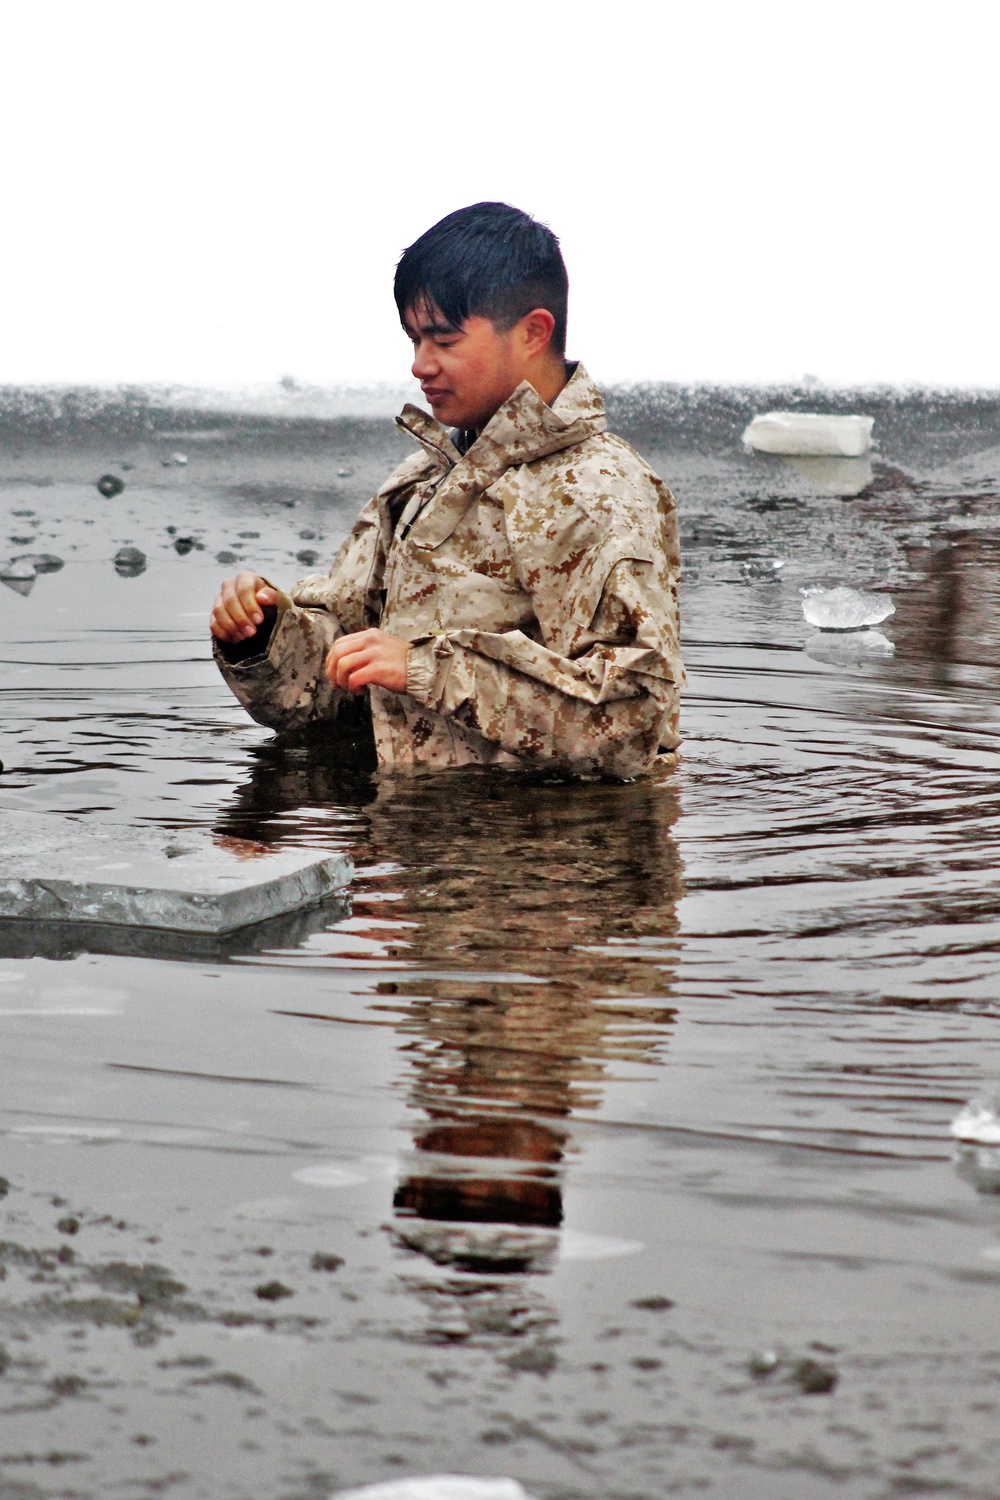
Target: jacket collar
x=523 y=429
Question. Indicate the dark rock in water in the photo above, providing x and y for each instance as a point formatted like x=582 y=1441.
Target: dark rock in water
x=272 y=1291
x=653 y=1304
x=307 y=557
x=323 y=1262
x=110 y=485
x=183 y=545
x=812 y=1377
x=538 y=1359
x=129 y=562
x=3 y=1180
x=42 y=562
x=226 y=557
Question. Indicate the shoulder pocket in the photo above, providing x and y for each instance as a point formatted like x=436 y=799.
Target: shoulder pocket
x=583 y=593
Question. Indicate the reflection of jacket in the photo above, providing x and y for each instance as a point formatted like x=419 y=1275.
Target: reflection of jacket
x=536 y=578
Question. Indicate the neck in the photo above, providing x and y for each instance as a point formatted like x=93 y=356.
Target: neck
x=548 y=378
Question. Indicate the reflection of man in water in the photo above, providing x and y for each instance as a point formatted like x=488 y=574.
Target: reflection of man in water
x=537 y=959
x=509 y=594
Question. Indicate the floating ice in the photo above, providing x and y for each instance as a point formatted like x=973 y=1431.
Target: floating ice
x=129 y=562
x=976 y=1127
x=42 y=562
x=18 y=570
x=575 y=1245
x=55 y=870
x=844 y=608
x=346 y=1174
x=978 y=1122
x=438 y=1487
x=809 y=434
x=762 y=567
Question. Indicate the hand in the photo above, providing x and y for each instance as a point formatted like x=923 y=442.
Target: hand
x=368 y=656
x=237 y=610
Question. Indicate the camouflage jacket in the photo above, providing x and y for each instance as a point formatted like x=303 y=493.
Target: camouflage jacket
x=535 y=577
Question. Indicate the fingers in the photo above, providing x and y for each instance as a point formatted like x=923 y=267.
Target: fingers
x=237 y=611
x=368 y=656
x=351 y=658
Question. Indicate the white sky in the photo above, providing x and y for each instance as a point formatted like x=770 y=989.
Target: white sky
x=216 y=191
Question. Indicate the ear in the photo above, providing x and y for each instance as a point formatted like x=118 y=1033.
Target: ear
x=537 y=328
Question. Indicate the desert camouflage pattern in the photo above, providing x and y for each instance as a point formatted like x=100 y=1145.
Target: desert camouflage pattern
x=536 y=579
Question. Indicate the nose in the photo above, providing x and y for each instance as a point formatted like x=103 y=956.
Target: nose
x=425 y=362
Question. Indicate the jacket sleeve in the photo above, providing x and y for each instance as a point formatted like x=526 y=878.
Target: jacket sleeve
x=598 y=693
x=284 y=686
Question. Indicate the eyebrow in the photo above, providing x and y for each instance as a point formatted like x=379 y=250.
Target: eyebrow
x=434 y=329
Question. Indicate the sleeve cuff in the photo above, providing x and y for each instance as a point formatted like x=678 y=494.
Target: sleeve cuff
x=421 y=672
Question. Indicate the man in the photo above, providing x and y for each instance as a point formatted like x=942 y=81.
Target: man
x=510 y=594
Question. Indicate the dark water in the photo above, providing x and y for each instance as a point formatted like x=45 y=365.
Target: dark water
x=599 y=1093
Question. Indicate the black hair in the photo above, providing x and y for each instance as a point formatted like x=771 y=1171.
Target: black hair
x=487 y=261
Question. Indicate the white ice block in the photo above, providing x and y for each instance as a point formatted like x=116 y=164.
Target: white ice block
x=845 y=609
x=438 y=1487
x=55 y=869
x=809 y=434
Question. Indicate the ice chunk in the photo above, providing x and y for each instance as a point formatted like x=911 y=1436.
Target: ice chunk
x=845 y=609
x=18 y=570
x=52 y=869
x=438 y=1487
x=978 y=1121
x=809 y=433
x=42 y=562
x=976 y=1127
x=129 y=562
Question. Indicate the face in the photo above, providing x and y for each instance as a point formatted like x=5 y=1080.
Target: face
x=465 y=373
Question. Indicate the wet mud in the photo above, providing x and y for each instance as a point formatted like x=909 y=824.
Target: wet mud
x=599 y=1137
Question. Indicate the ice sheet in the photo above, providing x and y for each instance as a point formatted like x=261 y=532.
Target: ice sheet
x=51 y=869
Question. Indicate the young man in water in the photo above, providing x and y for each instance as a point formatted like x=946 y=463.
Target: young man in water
x=510 y=594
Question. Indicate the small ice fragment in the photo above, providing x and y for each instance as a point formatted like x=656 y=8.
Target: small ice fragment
x=346 y=1174
x=978 y=1122
x=17 y=570
x=180 y=459
x=438 y=1487
x=845 y=609
x=18 y=574
x=762 y=567
x=129 y=562
x=809 y=434
x=575 y=1245
x=110 y=485
x=42 y=562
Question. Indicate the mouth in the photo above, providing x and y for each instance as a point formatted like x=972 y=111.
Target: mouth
x=434 y=394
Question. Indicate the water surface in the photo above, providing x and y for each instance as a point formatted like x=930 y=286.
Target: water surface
x=598 y=1098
